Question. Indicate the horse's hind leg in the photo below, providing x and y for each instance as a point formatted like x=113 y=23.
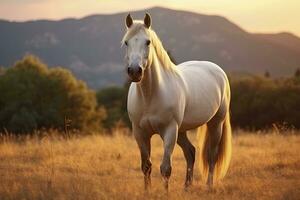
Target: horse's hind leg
x=189 y=154
x=214 y=128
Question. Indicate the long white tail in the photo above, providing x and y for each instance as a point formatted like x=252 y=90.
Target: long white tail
x=224 y=150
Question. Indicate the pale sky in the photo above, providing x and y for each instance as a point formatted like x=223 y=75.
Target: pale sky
x=251 y=15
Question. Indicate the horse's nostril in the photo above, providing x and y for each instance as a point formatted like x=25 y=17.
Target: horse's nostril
x=140 y=70
x=129 y=70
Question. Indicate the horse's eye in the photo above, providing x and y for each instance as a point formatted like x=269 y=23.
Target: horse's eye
x=126 y=43
x=148 y=42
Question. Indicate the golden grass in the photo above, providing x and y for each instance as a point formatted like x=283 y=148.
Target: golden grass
x=101 y=167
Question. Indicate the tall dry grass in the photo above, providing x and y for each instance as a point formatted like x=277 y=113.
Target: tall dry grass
x=264 y=166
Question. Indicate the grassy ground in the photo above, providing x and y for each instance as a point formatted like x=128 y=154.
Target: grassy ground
x=102 y=167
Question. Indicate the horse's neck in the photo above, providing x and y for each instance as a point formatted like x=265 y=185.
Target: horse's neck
x=153 y=78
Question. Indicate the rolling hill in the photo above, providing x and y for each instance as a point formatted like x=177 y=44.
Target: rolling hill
x=90 y=46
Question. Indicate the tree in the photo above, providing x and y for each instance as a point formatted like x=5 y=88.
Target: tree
x=34 y=96
x=114 y=100
x=258 y=102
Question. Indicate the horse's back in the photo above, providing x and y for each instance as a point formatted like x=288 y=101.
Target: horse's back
x=201 y=68
x=206 y=86
x=197 y=72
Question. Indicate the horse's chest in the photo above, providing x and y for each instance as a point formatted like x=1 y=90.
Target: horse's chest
x=154 y=122
x=156 y=113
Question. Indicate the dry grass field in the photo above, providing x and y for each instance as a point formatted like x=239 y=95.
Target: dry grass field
x=264 y=166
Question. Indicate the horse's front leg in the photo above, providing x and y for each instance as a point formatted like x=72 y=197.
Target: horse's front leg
x=143 y=141
x=169 y=136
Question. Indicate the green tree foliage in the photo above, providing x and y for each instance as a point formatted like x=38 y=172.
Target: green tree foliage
x=34 y=96
x=259 y=102
x=114 y=100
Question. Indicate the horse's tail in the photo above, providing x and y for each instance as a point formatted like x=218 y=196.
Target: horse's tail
x=224 y=150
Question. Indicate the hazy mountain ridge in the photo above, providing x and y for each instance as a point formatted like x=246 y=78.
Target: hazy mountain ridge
x=91 y=47
x=285 y=39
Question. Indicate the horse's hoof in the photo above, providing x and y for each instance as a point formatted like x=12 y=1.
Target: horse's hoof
x=187 y=185
x=166 y=183
x=186 y=188
x=210 y=188
x=147 y=183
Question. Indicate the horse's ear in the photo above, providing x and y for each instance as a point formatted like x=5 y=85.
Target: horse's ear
x=129 y=21
x=147 y=20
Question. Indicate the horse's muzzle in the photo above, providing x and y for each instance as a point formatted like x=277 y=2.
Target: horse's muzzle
x=135 y=73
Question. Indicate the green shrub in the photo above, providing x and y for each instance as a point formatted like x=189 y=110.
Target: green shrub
x=34 y=96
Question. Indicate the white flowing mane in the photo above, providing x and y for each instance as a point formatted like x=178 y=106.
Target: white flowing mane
x=161 y=53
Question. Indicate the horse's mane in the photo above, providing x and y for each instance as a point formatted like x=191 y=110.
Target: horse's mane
x=161 y=53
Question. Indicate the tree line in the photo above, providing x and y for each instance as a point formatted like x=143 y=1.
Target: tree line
x=34 y=96
x=260 y=102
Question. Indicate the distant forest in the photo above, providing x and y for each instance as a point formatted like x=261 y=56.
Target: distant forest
x=34 y=96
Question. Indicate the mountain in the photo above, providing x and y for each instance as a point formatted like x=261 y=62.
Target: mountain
x=285 y=39
x=91 y=47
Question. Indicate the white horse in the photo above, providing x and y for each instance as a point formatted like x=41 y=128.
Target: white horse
x=170 y=100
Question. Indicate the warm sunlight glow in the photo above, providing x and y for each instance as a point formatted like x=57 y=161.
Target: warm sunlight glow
x=254 y=16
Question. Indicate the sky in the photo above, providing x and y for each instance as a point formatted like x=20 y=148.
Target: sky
x=253 y=15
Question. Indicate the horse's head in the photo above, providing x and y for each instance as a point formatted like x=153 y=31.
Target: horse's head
x=137 y=43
